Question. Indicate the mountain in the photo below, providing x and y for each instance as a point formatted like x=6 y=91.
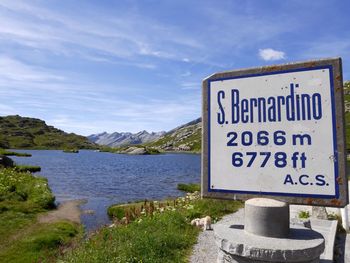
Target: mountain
x=118 y=139
x=186 y=137
x=21 y=132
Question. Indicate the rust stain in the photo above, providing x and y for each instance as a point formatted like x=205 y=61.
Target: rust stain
x=340 y=180
x=338 y=77
x=309 y=201
x=272 y=68
x=321 y=202
x=335 y=202
x=310 y=64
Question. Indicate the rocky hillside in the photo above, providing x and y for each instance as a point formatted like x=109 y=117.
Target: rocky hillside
x=184 y=138
x=118 y=139
x=21 y=132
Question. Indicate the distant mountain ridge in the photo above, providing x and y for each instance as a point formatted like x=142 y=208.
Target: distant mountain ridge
x=18 y=132
x=118 y=139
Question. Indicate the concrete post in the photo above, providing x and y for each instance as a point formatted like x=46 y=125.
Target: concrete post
x=267 y=237
x=345 y=217
x=260 y=217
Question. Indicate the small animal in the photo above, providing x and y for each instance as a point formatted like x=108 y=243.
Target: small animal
x=204 y=222
x=195 y=222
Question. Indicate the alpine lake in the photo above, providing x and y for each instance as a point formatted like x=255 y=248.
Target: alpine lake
x=102 y=179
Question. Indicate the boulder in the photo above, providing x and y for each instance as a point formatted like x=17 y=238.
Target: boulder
x=137 y=151
x=6 y=161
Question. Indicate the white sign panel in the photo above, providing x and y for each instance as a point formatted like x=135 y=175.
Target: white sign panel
x=273 y=133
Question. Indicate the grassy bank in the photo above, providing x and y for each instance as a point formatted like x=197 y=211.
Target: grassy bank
x=71 y=151
x=150 y=231
x=189 y=188
x=11 y=153
x=23 y=239
x=27 y=168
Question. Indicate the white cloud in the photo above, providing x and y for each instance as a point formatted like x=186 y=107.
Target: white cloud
x=13 y=69
x=269 y=54
x=126 y=36
x=191 y=86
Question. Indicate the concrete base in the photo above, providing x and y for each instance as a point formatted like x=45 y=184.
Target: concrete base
x=227 y=258
x=267 y=237
x=236 y=245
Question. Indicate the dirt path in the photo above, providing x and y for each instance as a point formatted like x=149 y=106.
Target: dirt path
x=68 y=210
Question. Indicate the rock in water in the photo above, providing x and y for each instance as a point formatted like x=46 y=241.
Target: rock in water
x=137 y=151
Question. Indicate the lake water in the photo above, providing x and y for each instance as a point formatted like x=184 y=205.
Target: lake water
x=106 y=178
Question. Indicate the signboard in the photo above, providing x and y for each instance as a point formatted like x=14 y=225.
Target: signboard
x=276 y=131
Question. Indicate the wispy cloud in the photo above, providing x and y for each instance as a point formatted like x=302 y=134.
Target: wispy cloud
x=122 y=36
x=326 y=48
x=269 y=54
x=191 y=85
x=15 y=70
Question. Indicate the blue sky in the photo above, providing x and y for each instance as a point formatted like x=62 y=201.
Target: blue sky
x=93 y=66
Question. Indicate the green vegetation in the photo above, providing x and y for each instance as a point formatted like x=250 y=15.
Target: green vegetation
x=27 y=168
x=304 y=214
x=151 y=150
x=39 y=242
x=19 y=191
x=27 y=133
x=151 y=231
x=161 y=238
x=11 y=153
x=71 y=151
x=23 y=239
x=189 y=188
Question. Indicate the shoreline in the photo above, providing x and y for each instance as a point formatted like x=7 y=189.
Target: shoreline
x=68 y=210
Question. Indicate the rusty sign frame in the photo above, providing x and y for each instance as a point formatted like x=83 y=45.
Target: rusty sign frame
x=341 y=198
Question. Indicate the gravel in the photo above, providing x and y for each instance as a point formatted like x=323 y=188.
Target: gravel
x=205 y=251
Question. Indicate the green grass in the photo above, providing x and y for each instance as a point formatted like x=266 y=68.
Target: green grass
x=165 y=237
x=24 y=188
x=40 y=243
x=22 y=198
x=189 y=188
x=27 y=168
x=151 y=231
x=71 y=151
x=11 y=153
x=18 y=132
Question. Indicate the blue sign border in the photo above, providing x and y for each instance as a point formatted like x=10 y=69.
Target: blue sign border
x=336 y=173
